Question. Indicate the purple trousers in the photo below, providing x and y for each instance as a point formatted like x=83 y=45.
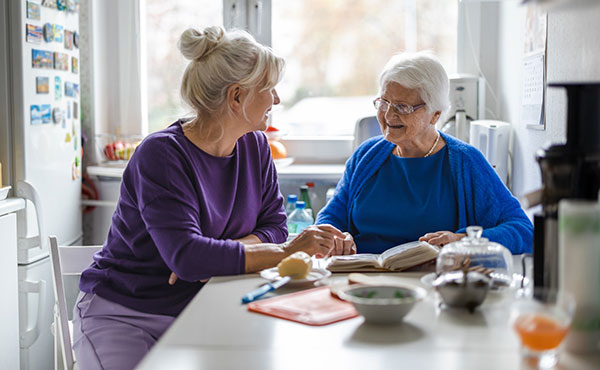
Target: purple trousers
x=107 y=335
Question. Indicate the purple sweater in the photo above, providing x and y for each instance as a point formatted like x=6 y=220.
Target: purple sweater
x=179 y=210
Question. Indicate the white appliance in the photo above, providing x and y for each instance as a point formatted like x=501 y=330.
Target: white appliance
x=492 y=139
x=467 y=103
x=40 y=74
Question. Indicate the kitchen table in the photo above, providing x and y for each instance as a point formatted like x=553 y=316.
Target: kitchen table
x=216 y=331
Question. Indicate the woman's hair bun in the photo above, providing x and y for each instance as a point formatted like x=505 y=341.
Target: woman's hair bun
x=195 y=45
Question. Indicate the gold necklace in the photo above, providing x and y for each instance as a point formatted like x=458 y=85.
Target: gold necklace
x=437 y=139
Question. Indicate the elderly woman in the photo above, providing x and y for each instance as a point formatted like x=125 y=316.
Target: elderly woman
x=199 y=199
x=415 y=182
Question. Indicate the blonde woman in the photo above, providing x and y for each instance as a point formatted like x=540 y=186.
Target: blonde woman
x=199 y=199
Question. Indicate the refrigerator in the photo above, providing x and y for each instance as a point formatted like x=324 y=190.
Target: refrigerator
x=41 y=152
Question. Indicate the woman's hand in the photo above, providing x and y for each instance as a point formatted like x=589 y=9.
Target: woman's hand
x=441 y=238
x=343 y=246
x=318 y=240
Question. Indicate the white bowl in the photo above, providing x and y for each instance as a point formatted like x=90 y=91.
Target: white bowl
x=383 y=304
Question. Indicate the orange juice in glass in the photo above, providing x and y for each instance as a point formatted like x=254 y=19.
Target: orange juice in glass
x=542 y=318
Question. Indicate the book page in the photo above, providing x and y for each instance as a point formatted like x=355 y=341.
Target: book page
x=353 y=261
x=408 y=255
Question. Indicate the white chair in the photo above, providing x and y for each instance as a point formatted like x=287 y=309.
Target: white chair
x=66 y=260
x=365 y=128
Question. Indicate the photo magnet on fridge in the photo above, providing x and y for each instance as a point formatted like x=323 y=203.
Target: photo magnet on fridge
x=76 y=39
x=42 y=59
x=61 y=61
x=73 y=6
x=58 y=32
x=71 y=89
x=48 y=32
x=74 y=65
x=57 y=88
x=61 y=4
x=68 y=40
x=40 y=114
x=34 y=33
x=42 y=85
x=49 y=3
x=33 y=10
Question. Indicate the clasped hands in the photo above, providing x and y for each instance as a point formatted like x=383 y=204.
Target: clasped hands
x=318 y=240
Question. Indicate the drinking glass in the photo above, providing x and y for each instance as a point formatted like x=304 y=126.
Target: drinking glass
x=542 y=318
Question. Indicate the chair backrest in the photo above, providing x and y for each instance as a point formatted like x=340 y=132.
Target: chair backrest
x=365 y=128
x=66 y=260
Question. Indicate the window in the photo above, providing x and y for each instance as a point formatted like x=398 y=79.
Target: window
x=334 y=51
x=165 y=21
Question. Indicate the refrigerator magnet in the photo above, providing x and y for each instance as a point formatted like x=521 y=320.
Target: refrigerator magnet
x=74 y=65
x=57 y=29
x=73 y=6
x=42 y=85
x=42 y=59
x=33 y=11
x=61 y=61
x=57 y=88
x=68 y=40
x=73 y=171
x=34 y=33
x=75 y=110
x=76 y=39
x=49 y=3
x=61 y=5
x=57 y=115
x=68 y=110
x=48 y=32
x=40 y=114
x=68 y=138
x=71 y=89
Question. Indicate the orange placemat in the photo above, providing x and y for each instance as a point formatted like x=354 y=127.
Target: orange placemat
x=311 y=307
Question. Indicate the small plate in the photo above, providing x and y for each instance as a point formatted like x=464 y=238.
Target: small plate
x=315 y=275
x=515 y=283
x=4 y=192
x=283 y=162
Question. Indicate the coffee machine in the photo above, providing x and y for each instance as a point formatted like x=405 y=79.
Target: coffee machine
x=467 y=103
x=570 y=170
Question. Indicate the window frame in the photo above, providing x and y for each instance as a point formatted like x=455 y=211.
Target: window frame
x=118 y=49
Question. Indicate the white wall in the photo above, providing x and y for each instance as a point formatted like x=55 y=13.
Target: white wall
x=573 y=54
x=495 y=49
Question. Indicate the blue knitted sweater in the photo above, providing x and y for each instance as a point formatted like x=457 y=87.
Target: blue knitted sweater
x=482 y=197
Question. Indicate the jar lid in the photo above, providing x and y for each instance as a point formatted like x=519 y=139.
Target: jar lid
x=476 y=253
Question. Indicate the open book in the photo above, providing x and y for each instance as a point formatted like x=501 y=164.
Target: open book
x=398 y=258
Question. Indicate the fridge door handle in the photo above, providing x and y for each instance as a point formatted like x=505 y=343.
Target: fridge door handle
x=27 y=191
x=29 y=242
x=27 y=335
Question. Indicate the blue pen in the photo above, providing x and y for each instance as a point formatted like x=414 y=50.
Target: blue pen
x=264 y=289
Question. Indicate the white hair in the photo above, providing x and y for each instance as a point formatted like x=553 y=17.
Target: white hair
x=219 y=59
x=420 y=71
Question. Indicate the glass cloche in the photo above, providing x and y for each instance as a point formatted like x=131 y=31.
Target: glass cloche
x=474 y=253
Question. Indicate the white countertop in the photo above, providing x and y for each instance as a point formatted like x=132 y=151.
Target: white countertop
x=10 y=205
x=215 y=331
x=302 y=171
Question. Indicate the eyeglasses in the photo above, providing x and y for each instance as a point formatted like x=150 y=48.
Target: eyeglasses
x=400 y=108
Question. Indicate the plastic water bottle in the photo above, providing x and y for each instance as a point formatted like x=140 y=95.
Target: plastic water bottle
x=300 y=219
x=291 y=204
x=305 y=197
